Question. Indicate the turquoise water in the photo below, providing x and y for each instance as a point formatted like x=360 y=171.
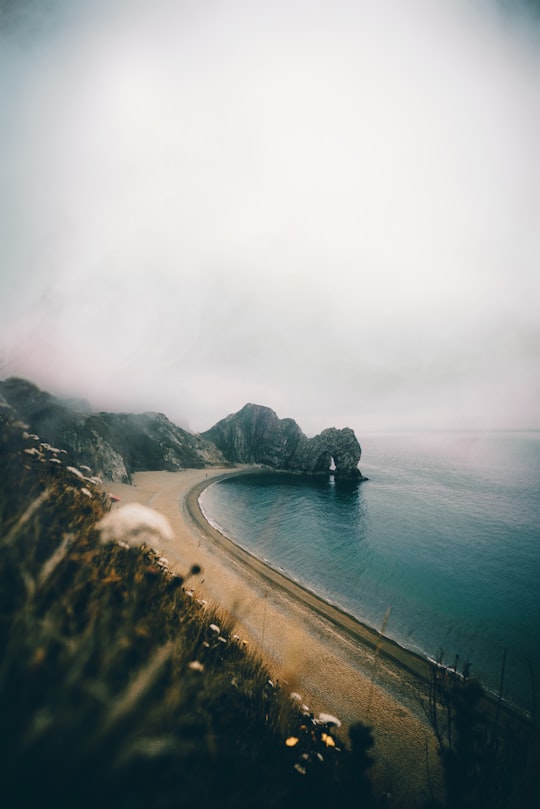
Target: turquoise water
x=446 y=533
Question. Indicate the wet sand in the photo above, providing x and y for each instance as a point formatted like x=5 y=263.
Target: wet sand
x=336 y=663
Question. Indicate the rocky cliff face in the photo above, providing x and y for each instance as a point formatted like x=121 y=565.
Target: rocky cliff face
x=113 y=445
x=256 y=435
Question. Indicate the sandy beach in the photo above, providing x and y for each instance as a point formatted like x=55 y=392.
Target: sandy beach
x=334 y=662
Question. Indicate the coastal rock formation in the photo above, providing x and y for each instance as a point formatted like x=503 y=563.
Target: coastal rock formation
x=113 y=445
x=256 y=435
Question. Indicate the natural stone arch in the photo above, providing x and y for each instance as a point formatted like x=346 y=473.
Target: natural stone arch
x=256 y=435
x=342 y=446
x=323 y=462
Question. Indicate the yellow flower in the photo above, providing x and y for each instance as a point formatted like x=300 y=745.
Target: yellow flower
x=291 y=741
x=328 y=740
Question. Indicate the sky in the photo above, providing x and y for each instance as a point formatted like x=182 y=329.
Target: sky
x=330 y=208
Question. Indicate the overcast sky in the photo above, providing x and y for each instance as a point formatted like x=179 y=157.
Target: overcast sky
x=332 y=208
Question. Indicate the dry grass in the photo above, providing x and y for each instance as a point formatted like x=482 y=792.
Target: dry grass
x=118 y=686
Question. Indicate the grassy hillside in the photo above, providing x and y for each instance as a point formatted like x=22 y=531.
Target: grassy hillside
x=118 y=686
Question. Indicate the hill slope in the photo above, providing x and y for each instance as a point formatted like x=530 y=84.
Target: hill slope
x=113 y=445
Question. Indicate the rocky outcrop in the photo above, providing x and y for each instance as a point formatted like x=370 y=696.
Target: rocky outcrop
x=256 y=435
x=113 y=445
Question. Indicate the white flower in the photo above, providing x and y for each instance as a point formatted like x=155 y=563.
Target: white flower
x=49 y=448
x=215 y=628
x=195 y=666
x=75 y=472
x=135 y=524
x=85 y=491
x=328 y=719
x=296 y=696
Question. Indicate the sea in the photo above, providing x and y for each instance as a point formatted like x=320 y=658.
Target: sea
x=440 y=548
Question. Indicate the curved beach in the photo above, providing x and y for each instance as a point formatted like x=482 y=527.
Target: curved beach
x=335 y=662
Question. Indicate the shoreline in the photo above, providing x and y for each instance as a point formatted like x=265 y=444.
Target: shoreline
x=417 y=664
x=335 y=662
x=413 y=662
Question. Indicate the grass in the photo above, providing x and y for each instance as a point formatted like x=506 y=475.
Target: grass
x=118 y=686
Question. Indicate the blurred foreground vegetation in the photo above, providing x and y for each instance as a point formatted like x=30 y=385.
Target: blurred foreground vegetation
x=120 y=687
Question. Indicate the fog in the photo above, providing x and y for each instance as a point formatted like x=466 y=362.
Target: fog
x=332 y=208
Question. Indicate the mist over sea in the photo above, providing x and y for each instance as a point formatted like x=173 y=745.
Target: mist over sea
x=446 y=533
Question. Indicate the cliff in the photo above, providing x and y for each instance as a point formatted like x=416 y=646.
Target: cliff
x=113 y=445
x=256 y=435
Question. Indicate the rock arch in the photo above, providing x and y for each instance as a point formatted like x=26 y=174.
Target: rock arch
x=256 y=435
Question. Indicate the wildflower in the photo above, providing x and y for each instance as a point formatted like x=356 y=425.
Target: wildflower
x=86 y=468
x=135 y=524
x=221 y=639
x=85 y=491
x=33 y=451
x=300 y=769
x=75 y=472
x=55 y=460
x=292 y=741
x=215 y=628
x=50 y=449
x=195 y=666
x=328 y=719
x=328 y=740
x=296 y=696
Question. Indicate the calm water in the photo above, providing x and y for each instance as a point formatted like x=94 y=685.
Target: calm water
x=446 y=533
